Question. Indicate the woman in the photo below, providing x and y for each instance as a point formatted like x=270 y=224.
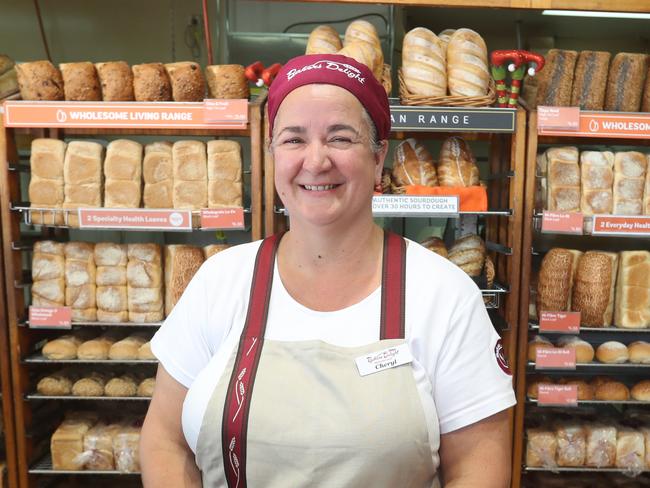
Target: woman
x=355 y=358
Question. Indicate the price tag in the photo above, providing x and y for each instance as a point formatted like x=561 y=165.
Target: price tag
x=558 y=118
x=222 y=218
x=50 y=317
x=555 y=358
x=225 y=111
x=619 y=225
x=557 y=395
x=136 y=218
x=562 y=222
x=560 y=322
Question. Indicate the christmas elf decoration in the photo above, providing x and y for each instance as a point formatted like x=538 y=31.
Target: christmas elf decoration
x=517 y=63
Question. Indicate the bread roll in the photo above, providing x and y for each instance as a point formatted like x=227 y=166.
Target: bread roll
x=116 y=81
x=56 y=384
x=633 y=290
x=111 y=276
x=641 y=391
x=83 y=163
x=556 y=280
x=212 y=249
x=98 y=447
x=571 y=444
x=625 y=82
x=590 y=80
x=541 y=448
x=110 y=254
x=227 y=81
x=96 y=349
x=601 y=445
x=188 y=83
x=467 y=64
x=537 y=343
x=224 y=174
x=563 y=181
x=122 y=386
x=80 y=82
x=127 y=349
x=145 y=299
x=424 y=63
x=112 y=298
x=66 y=445
x=612 y=391
x=584 y=350
x=612 y=352
x=144 y=352
x=555 y=81
x=39 y=80
x=126 y=445
x=639 y=352
x=594 y=288
x=48 y=293
x=151 y=83
x=90 y=386
x=630 y=450
x=146 y=387
x=413 y=165
x=468 y=253
x=181 y=262
x=363 y=32
x=585 y=390
x=62 y=348
x=457 y=165
x=436 y=245
x=150 y=253
x=533 y=385
x=596 y=181
x=323 y=40
x=47 y=266
x=629 y=179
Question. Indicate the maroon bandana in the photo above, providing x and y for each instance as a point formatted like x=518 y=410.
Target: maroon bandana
x=332 y=69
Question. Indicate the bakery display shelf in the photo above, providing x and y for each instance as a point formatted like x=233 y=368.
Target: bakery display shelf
x=40 y=359
x=44 y=466
x=36 y=396
x=534 y=326
x=583 y=469
x=492 y=296
x=533 y=401
x=153 y=325
x=597 y=367
x=632 y=220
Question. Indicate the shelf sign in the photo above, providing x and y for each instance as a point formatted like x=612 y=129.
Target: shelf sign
x=558 y=118
x=414 y=206
x=557 y=395
x=226 y=111
x=222 y=218
x=135 y=218
x=606 y=124
x=555 y=358
x=560 y=322
x=50 y=317
x=621 y=225
x=562 y=222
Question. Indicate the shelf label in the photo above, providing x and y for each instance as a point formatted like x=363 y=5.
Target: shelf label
x=562 y=222
x=622 y=225
x=120 y=115
x=607 y=124
x=415 y=206
x=222 y=218
x=560 y=118
x=225 y=110
x=562 y=322
x=557 y=395
x=50 y=317
x=135 y=218
x=555 y=358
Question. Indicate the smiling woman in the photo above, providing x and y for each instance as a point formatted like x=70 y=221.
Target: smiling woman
x=269 y=359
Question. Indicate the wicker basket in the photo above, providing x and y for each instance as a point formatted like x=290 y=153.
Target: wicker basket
x=408 y=98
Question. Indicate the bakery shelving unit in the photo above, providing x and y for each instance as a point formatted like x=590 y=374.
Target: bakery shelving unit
x=590 y=133
x=36 y=415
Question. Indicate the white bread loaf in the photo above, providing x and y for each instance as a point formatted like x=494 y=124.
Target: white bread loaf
x=47 y=266
x=159 y=195
x=48 y=293
x=633 y=290
x=83 y=163
x=629 y=179
x=190 y=172
x=224 y=174
x=123 y=160
x=594 y=288
x=190 y=195
x=122 y=193
x=563 y=180
x=46 y=158
x=323 y=40
x=158 y=175
x=424 y=65
x=111 y=276
x=601 y=445
x=596 y=180
x=144 y=279
x=112 y=298
x=467 y=64
x=181 y=262
x=646 y=191
x=110 y=254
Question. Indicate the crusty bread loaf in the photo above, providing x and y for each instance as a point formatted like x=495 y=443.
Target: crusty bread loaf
x=63 y=347
x=457 y=165
x=413 y=165
x=593 y=288
x=596 y=181
x=468 y=253
x=188 y=83
x=181 y=262
x=48 y=293
x=590 y=80
x=47 y=266
x=112 y=317
x=630 y=169
x=646 y=191
x=142 y=274
x=633 y=290
x=555 y=81
x=641 y=391
x=323 y=40
x=224 y=174
x=563 y=180
x=424 y=64
x=39 y=80
x=365 y=53
x=227 y=81
x=144 y=278
x=556 y=280
x=467 y=64
x=144 y=351
x=110 y=254
x=362 y=31
x=116 y=80
x=151 y=83
x=151 y=253
x=80 y=82
x=212 y=249
x=625 y=82
x=436 y=245
x=97 y=348
x=112 y=298
x=127 y=348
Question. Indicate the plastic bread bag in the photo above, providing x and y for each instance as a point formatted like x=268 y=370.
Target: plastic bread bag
x=125 y=449
x=601 y=445
x=98 y=448
x=541 y=448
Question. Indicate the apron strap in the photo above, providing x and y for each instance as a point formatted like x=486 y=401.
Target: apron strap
x=234 y=423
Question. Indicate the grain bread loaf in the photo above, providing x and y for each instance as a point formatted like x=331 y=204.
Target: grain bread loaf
x=630 y=169
x=555 y=280
x=633 y=290
x=151 y=83
x=324 y=39
x=468 y=74
x=157 y=173
x=594 y=288
x=190 y=173
x=555 y=81
x=365 y=53
x=457 y=165
x=413 y=165
x=55 y=384
x=181 y=262
x=121 y=386
x=625 y=82
x=227 y=81
x=362 y=32
x=571 y=444
x=224 y=174
x=645 y=100
x=468 y=253
x=563 y=179
x=80 y=82
x=541 y=448
x=8 y=83
x=596 y=182
x=601 y=445
x=66 y=444
x=98 y=447
x=187 y=81
x=39 y=80
x=116 y=81
x=212 y=249
x=436 y=245
x=590 y=80
x=612 y=352
x=91 y=385
x=630 y=449
x=424 y=64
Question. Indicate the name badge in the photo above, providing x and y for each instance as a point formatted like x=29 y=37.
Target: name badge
x=377 y=361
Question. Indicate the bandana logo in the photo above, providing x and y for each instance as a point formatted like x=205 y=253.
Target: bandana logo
x=348 y=70
x=501 y=359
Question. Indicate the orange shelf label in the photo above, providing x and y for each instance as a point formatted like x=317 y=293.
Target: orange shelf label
x=564 y=322
x=222 y=218
x=562 y=222
x=560 y=118
x=607 y=124
x=120 y=115
x=555 y=358
x=225 y=111
x=557 y=395
x=50 y=317
x=136 y=218
x=621 y=225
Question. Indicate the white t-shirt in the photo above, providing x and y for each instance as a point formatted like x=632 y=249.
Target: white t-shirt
x=456 y=364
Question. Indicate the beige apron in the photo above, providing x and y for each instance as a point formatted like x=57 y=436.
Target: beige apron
x=315 y=421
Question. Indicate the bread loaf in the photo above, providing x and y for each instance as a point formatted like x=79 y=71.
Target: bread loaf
x=112 y=298
x=424 y=64
x=467 y=64
x=123 y=172
x=160 y=195
x=571 y=444
x=80 y=82
x=362 y=31
x=66 y=445
x=48 y=293
x=563 y=181
x=111 y=276
x=61 y=348
x=445 y=36
x=633 y=290
x=596 y=180
x=590 y=80
x=47 y=266
x=45 y=193
x=150 y=253
x=601 y=445
x=110 y=254
x=157 y=173
x=611 y=391
x=630 y=450
x=413 y=165
x=468 y=253
x=127 y=349
x=556 y=280
x=151 y=83
x=46 y=184
x=189 y=165
x=625 y=82
x=555 y=81
x=224 y=174
x=98 y=447
x=126 y=449
x=122 y=386
x=181 y=262
x=48 y=274
x=91 y=385
x=97 y=348
x=50 y=247
x=188 y=83
x=323 y=40
x=145 y=300
x=365 y=53
x=146 y=387
x=541 y=448
x=144 y=277
x=39 y=80
x=142 y=274
x=212 y=249
x=56 y=384
x=227 y=81
x=457 y=165
x=83 y=163
x=594 y=288
x=629 y=179
x=116 y=80
x=436 y=245
x=46 y=158
x=112 y=317
x=646 y=191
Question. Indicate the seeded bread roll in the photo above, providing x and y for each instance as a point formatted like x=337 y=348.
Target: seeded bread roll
x=584 y=350
x=146 y=387
x=151 y=83
x=555 y=281
x=467 y=64
x=633 y=290
x=585 y=390
x=424 y=64
x=625 y=82
x=39 y=80
x=56 y=384
x=594 y=288
x=468 y=253
x=611 y=391
x=80 y=82
x=533 y=386
x=324 y=39
x=537 y=342
x=457 y=165
x=590 y=80
x=555 y=82
x=630 y=169
x=188 y=83
x=122 y=386
x=436 y=245
x=596 y=180
x=227 y=81
x=612 y=352
x=563 y=179
x=116 y=80
x=413 y=165
x=91 y=385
